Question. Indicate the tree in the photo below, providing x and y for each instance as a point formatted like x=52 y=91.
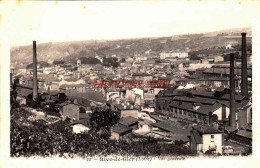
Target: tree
x=57 y=62
x=103 y=118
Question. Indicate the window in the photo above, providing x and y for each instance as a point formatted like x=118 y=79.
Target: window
x=212 y=136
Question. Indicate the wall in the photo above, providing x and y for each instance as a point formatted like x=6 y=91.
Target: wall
x=114 y=136
x=71 y=111
x=218 y=112
x=132 y=113
x=130 y=95
x=217 y=140
x=193 y=144
x=249 y=115
x=21 y=100
x=79 y=128
x=139 y=92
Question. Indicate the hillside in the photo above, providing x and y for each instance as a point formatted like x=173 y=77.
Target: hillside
x=49 y=52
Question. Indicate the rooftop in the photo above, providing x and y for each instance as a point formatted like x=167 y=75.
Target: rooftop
x=89 y=95
x=84 y=122
x=244 y=133
x=121 y=129
x=205 y=109
x=128 y=121
x=206 y=129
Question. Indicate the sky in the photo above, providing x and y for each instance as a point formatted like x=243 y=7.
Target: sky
x=52 y=21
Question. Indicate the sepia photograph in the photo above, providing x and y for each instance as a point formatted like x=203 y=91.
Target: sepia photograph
x=129 y=82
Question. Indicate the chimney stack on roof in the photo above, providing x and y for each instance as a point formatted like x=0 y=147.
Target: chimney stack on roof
x=232 y=116
x=35 y=83
x=244 y=87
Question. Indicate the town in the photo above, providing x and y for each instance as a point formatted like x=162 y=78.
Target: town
x=206 y=108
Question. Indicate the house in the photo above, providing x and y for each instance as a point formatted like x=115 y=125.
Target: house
x=71 y=111
x=78 y=62
x=128 y=112
x=120 y=132
x=50 y=97
x=244 y=116
x=205 y=138
x=229 y=46
x=218 y=59
x=24 y=95
x=80 y=126
x=130 y=122
x=74 y=111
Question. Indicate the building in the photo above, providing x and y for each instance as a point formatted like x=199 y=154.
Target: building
x=204 y=138
x=78 y=62
x=75 y=111
x=130 y=122
x=204 y=107
x=24 y=96
x=218 y=59
x=167 y=129
x=120 y=132
x=71 y=111
x=80 y=126
x=174 y=54
x=243 y=137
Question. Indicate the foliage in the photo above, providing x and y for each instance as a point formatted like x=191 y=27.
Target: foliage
x=110 y=61
x=103 y=118
x=41 y=63
x=89 y=60
x=43 y=140
x=57 y=62
x=194 y=57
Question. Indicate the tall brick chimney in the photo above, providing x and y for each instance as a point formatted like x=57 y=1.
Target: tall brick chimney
x=232 y=116
x=11 y=79
x=244 y=87
x=35 y=83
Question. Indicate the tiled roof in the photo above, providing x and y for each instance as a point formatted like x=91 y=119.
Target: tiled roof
x=226 y=71
x=244 y=133
x=24 y=92
x=121 y=129
x=206 y=129
x=182 y=105
x=237 y=97
x=195 y=100
x=128 y=121
x=165 y=125
x=84 y=122
x=203 y=93
x=205 y=109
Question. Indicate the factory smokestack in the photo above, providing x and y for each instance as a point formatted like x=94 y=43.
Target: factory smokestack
x=244 y=87
x=232 y=117
x=11 y=79
x=35 y=85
